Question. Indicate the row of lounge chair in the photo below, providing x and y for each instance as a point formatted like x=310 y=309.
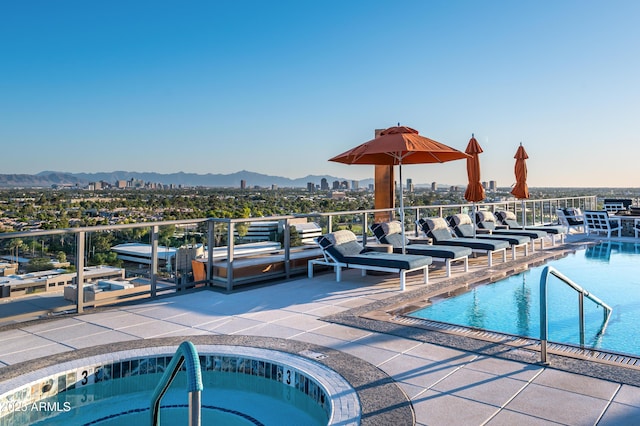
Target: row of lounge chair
x=452 y=239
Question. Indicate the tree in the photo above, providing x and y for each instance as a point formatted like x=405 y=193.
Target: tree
x=39 y=264
x=16 y=244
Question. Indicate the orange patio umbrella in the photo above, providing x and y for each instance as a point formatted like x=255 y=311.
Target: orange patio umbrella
x=521 y=190
x=397 y=146
x=474 y=191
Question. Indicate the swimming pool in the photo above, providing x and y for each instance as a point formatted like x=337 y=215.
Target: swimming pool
x=242 y=386
x=609 y=270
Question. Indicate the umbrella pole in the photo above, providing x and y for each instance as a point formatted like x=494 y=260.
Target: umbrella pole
x=402 y=210
x=473 y=218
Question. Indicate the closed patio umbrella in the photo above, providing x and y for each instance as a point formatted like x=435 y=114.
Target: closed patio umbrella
x=521 y=190
x=397 y=146
x=474 y=191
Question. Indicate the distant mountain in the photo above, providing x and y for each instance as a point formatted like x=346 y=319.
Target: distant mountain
x=49 y=178
x=39 y=180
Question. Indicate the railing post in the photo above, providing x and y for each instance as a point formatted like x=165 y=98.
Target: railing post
x=230 y=249
x=581 y=318
x=80 y=271
x=544 y=326
x=330 y=224
x=211 y=241
x=365 y=226
x=287 y=247
x=154 y=259
x=186 y=353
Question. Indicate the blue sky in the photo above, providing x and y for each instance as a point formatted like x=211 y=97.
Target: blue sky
x=278 y=87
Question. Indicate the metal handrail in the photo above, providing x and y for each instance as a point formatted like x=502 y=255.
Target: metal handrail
x=582 y=293
x=186 y=353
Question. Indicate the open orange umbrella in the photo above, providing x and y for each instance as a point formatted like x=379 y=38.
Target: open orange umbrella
x=397 y=146
x=521 y=190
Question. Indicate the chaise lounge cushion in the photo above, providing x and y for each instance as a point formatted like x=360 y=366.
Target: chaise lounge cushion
x=392 y=234
x=462 y=225
x=439 y=251
x=341 y=244
x=487 y=220
x=464 y=228
x=508 y=218
x=389 y=260
x=344 y=247
x=437 y=228
x=571 y=214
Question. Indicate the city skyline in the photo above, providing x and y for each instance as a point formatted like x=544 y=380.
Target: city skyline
x=280 y=87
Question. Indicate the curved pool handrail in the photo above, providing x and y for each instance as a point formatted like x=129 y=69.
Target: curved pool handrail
x=544 y=325
x=186 y=353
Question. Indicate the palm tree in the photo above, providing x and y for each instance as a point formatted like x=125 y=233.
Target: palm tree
x=16 y=244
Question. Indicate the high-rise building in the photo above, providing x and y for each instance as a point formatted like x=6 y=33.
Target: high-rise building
x=344 y=184
x=434 y=186
x=410 y=187
x=355 y=185
x=493 y=185
x=311 y=187
x=324 y=185
x=336 y=184
x=243 y=184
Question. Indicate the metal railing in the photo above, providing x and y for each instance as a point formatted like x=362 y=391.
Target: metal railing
x=186 y=353
x=582 y=293
x=220 y=233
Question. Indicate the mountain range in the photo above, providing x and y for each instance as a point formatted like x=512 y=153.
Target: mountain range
x=50 y=178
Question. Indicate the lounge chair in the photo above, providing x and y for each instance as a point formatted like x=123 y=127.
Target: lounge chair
x=510 y=220
x=463 y=227
x=342 y=250
x=599 y=221
x=487 y=220
x=391 y=233
x=571 y=218
x=437 y=229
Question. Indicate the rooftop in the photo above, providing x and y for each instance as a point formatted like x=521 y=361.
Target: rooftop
x=445 y=380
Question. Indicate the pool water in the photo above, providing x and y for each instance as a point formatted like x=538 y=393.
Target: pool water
x=610 y=271
x=227 y=399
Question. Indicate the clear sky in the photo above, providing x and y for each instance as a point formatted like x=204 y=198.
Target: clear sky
x=278 y=87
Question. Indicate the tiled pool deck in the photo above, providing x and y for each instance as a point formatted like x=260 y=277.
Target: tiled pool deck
x=445 y=385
